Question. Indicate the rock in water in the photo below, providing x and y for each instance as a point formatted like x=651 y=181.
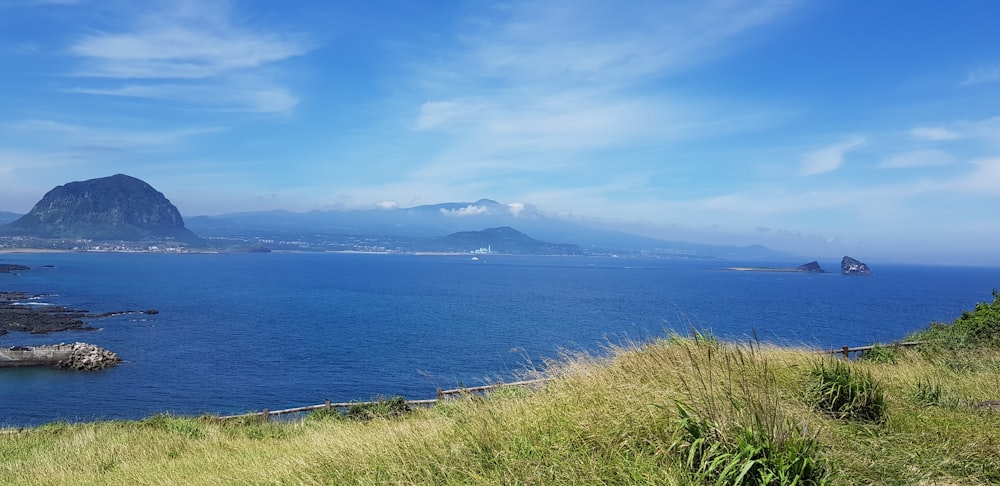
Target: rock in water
x=119 y=207
x=87 y=357
x=811 y=267
x=850 y=266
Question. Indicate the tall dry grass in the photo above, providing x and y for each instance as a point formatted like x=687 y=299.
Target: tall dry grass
x=625 y=418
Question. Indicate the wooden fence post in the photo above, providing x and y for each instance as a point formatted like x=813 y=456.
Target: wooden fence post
x=440 y=394
x=846 y=350
x=328 y=404
x=267 y=415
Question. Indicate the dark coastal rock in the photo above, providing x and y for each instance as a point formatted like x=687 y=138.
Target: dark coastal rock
x=116 y=208
x=17 y=315
x=811 y=267
x=850 y=266
x=8 y=267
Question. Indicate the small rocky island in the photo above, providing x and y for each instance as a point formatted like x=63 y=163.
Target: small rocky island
x=811 y=267
x=850 y=266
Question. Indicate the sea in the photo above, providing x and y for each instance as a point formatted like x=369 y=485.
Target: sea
x=242 y=332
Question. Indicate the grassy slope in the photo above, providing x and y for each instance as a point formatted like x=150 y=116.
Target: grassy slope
x=599 y=421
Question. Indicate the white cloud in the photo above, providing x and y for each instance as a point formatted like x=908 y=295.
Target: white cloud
x=80 y=135
x=917 y=158
x=985 y=179
x=470 y=210
x=987 y=130
x=541 y=86
x=436 y=114
x=934 y=134
x=185 y=40
x=261 y=99
x=830 y=158
x=982 y=74
x=581 y=41
x=191 y=52
x=516 y=208
x=387 y=205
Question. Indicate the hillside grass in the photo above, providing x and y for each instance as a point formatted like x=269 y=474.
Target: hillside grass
x=672 y=411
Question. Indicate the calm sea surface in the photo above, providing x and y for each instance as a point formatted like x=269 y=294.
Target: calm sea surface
x=242 y=332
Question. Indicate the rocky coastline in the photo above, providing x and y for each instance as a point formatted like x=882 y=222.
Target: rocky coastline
x=19 y=312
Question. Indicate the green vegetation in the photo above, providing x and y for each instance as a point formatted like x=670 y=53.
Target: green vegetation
x=673 y=411
x=847 y=393
x=974 y=329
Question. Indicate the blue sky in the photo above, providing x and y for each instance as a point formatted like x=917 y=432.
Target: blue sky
x=817 y=127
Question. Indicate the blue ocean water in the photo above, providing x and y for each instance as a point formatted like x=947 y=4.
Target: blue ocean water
x=243 y=332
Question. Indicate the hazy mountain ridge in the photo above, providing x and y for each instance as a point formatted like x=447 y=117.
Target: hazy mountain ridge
x=433 y=221
x=7 y=217
x=504 y=240
x=123 y=208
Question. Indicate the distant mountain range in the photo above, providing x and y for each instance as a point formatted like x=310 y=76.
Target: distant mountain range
x=417 y=224
x=7 y=217
x=123 y=208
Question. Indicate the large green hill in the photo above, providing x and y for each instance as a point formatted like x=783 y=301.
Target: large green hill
x=119 y=207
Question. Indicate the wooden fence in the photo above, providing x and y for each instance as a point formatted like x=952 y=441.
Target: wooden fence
x=299 y=413
x=857 y=352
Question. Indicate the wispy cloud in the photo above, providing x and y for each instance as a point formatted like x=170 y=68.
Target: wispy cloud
x=830 y=158
x=985 y=179
x=982 y=74
x=984 y=130
x=586 y=41
x=543 y=85
x=195 y=42
x=917 y=158
x=934 y=134
x=251 y=97
x=86 y=136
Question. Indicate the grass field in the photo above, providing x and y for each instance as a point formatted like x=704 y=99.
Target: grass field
x=673 y=411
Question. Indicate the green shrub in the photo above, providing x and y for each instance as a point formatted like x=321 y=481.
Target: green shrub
x=880 y=354
x=382 y=408
x=748 y=453
x=736 y=430
x=927 y=393
x=846 y=393
x=181 y=425
x=979 y=327
x=325 y=414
